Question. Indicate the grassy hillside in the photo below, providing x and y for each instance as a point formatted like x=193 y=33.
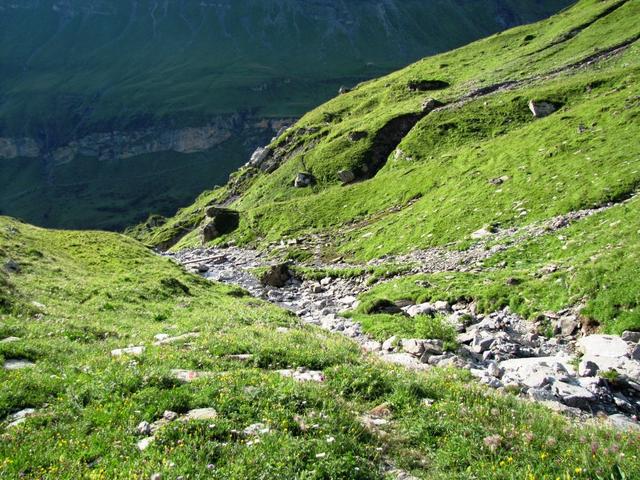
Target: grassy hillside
x=482 y=161
x=71 y=297
x=76 y=68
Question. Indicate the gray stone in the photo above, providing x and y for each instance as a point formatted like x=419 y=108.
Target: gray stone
x=433 y=346
x=20 y=417
x=587 y=368
x=17 y=364
x=442 y=306
x=573 y=395
x=134 y=351
x=200 y=414
x=494 y=370
x=156 y=476
x=256 y=429
x=277 y=276
x=633 y=337
x=372 y=346
x=421 y=309
x=622 y=422
x=541 y=109
x=145 y=443
x=169 y=415
x=10 y=340
x=634 y=353
x=609 y=346
x=180 y=338
x=346 y=176
x=541 y=395
x=303 y=180
x=567 y=326
x=481 y=345
x=303 y=375
x=144 y=428
x=390 y=344
x=413 y=347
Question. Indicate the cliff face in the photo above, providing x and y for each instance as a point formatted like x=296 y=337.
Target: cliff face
x=119 y=145
x=191 y=81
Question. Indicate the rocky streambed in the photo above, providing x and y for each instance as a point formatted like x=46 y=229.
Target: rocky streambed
x=574 y=372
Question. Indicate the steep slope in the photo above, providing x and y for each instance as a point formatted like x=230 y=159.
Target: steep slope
x=77 y=408
x=471 y=165
x=111 y=109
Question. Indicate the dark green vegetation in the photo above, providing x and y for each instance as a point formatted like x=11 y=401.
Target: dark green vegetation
x=77 y=68
x=97 y=291
x=481 y=162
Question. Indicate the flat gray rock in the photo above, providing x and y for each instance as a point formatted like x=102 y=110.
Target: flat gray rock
x=200 y=414
x=10 y=340
x=17 y=364
x=134 y=351
x=609 y=346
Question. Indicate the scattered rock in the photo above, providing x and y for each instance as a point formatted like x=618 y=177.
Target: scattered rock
x=421 y=309
x=20 y=417
x=200 y=414
x=442 y=306
x=390 y=344
x=156 y=476
x=573 y=395
x=499 y=180
x=587 y=368
x=541 y=109
x=603 y=346
x=256 y=429
x=277 y=276
x=145 y=443
x=10 y=340
x=302 y=374
x=303 y=180
x=342 y=90
x=481 y=345
x=144 y=428
x=633 y=337
x=169 y=415
x=413 y=347
x=134 y=351
x=567 y=326
x=219 y=221
x=17 y=364
x=169 y=340
x=482 y=233
x=622 y=422
x=346 y=176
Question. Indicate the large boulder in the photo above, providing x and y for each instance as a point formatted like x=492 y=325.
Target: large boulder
x=219 y=221
x=346 y=176
x=277 y=276
x=541 y=109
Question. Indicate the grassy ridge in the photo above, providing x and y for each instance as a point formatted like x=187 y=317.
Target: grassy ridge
x=440 y=184
x=98 y=291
